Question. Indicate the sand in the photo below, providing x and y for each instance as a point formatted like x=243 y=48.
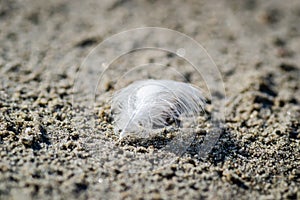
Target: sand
x=51 y=149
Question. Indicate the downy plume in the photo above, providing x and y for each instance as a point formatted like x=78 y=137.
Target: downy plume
x=146 y=105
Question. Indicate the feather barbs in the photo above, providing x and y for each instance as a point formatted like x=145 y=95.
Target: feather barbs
x=146 y=105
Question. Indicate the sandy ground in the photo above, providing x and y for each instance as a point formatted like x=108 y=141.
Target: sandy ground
x=48 y=154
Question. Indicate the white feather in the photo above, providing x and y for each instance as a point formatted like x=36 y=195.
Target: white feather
x=149 y=104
